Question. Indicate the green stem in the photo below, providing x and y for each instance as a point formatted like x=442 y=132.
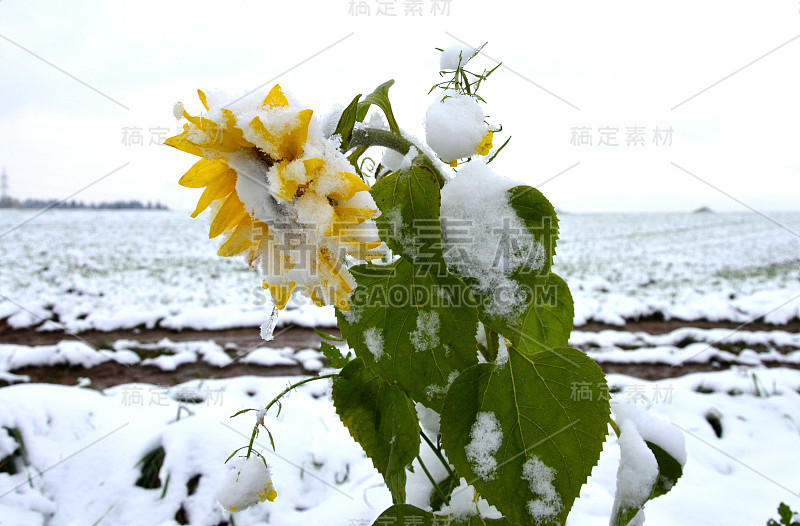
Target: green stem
x=438 y=454
x=436 y=487
x=388 y=139
x=614 y=426
x=276 y=399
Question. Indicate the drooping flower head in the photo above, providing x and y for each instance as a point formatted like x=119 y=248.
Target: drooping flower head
x=281 y=194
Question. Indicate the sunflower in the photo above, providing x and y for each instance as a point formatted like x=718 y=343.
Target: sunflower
x=281 y=194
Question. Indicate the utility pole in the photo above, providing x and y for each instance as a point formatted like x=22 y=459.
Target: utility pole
x=5 y=199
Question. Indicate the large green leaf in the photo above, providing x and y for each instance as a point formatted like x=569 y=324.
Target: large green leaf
x=382 y=419
x=406 y=514
x=409 y=202
x=524 y=289
x=522 y=437
x=413 y=329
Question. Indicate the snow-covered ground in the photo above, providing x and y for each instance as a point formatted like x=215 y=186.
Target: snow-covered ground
x=83 y=450
x=107 y=270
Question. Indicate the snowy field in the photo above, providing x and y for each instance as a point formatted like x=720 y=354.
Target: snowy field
x=142 y=454
x=79 y=270
x=737 y=435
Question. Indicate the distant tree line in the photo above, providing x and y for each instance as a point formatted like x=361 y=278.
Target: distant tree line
x=81 y=205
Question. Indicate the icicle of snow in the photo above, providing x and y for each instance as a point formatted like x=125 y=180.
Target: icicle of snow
x=268 y=327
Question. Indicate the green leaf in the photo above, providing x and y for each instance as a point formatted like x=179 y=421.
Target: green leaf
x=382 y=419
x=334 y=356
x=409 y=202
x=401 y=514
x=669 y=471
x=528 y=405
x=785 y=513
x=413 y=329
x=380 y=98
x=525 y=293
x=344 y=128
x=548 y=321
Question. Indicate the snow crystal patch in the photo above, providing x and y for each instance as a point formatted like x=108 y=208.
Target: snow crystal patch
x=502 y=353
x=427 y=334
x=403 y=234
x=486 y=437
x=438 y=391
x=540 y=478
x=455 y=127
x=374 y=341
x=487 y=241
x=353 y=314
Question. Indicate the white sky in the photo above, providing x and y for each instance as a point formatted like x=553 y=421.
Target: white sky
x=607 y=64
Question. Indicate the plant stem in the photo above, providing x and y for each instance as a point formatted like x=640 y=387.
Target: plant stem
x=438 y=454
x=614 y=426
x=276 y=399
x=387 y=139
x=436 y=487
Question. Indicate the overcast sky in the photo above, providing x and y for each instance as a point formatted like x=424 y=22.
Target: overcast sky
x=78 y=77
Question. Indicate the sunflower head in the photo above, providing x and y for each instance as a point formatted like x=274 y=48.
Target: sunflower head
x=280 y=194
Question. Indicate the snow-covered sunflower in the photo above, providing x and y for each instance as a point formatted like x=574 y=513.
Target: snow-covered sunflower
x=280 y=193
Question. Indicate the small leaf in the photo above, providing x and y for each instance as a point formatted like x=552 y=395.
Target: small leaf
x=382 y=419
x=520 y=436
x=380 y=98
x=334 y=356
x=344 y=128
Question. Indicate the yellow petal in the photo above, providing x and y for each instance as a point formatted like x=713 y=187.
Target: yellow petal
x=291 y=144
x=346 y=217
x=341 y=302
x=203 y=98
x=203 y=172
x=288 y=186
x=240 y=239
x=262 y=130
x=229 y=215
x=219 y=188
x=275 y=98
x=313 y=166
x=234 y=132
x=182 y=143
x=325 y=261
x=280 y=294
x=485 y=146
x=316 y=298
x=353 y=185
